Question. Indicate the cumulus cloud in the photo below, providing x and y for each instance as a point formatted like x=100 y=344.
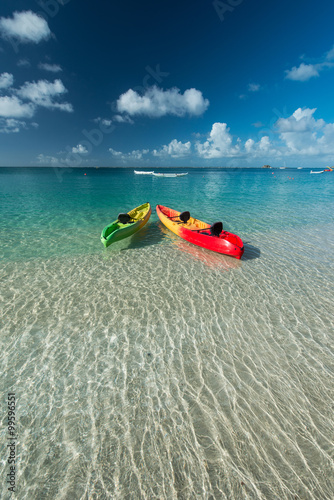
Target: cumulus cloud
x=12 y=107
x=136 y=154
x=15 y=106
x=219 y=143
x=47 y=160
x=157 y=102
x=175 y=149
x=104 y=121
x=53 y=68
x=262 y=148
x=123 y=119
x=44 y=93
x=25 y=27
x=10 y=125
x=300 y=136
x=115 y=153
x=249 y=145
x=305 y=135
x=80 y=149
x=304 y=72
x=6 y=80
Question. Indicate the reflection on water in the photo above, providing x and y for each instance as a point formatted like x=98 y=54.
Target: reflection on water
x=210 y=259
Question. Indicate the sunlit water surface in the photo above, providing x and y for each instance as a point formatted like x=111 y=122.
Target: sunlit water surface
x=154 y=368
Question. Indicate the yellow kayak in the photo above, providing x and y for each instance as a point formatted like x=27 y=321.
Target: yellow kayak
x=126 y=224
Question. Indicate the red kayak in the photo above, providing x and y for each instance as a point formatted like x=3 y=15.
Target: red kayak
x=200 y=233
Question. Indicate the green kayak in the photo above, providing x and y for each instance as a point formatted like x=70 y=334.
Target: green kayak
x=126 y=224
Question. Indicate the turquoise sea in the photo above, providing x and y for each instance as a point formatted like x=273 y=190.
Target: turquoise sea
x=155 y=369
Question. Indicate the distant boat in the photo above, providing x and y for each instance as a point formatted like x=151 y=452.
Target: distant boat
x=169 y=175
x=318 y=172
x=299 y=168
x=328 y=169
x=143 y=172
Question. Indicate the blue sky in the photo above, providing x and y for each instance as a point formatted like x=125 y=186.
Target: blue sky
x=235 y=83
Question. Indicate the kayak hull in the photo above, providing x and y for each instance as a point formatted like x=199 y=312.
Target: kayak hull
x=157 y=174
x=117 y=231
x=143 y=172
x=198 y=233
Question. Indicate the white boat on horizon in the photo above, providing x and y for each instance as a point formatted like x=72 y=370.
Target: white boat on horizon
x=170 y=175
x=143 y=172
x=318 y=172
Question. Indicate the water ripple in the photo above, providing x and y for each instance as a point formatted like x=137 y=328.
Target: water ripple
x=165 y=371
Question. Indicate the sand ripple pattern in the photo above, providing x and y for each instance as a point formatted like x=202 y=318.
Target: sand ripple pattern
x=172 y=373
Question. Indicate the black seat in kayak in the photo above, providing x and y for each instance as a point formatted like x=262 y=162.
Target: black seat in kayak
x=124 y=218
x=216 y=228
x=184 y=216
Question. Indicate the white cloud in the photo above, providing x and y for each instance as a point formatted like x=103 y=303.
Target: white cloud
x=43 y=94
x=123 y=119
x=26 y=27
x=53 y=68
x=265 y=147
x=6 y=80
x=104 y=121
x=10 y=125
x=175 y=149
x=303 y=73
x=300 y=137
x=254 y=87
x=136 y=154
x=304 y=135
x=12 y=107
x=249 y=145
x=80 y=149
x=115 y=153
x=218 y=144
x=47 y=160
x=157 y=102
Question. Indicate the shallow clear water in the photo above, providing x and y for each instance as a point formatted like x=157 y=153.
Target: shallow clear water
x=157 y=369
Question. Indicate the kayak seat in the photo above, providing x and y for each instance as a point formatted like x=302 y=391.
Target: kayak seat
x=124 y=218
x=216 y=228
x=184 y=217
